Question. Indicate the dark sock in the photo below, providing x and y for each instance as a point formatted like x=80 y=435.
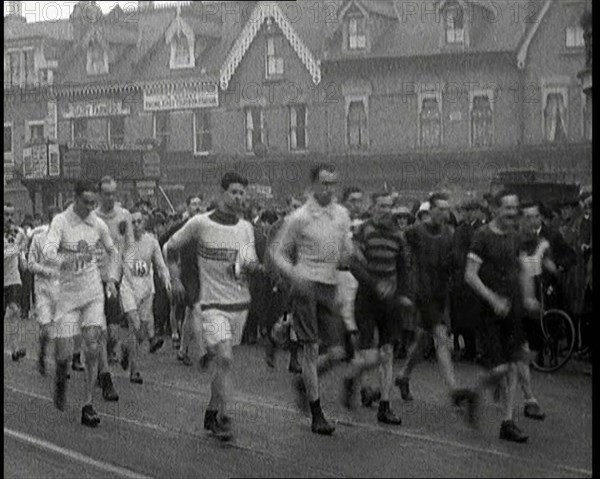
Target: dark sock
x=43 y=345
x=211 y=415
x=61 y=371
x=384 y=406
x=315 y=408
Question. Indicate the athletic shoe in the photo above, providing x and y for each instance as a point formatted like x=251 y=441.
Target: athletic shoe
x=533 y=411
x=156 y=344
x=348 y=392
x=368 y=396
x=460 y=396
x=321 y=426
x=136 y=378
x=108 y=390
x=124 y=357
x=185 y=359
x=89 y=417
x=216 y=427
x=76 y=363
x=403 y=385
x=388 y=417
x=510 y=432
x=18 y=354
x=300 y=390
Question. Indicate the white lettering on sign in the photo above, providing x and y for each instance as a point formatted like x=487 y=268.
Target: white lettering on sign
x=95 y=109
x=182 y=98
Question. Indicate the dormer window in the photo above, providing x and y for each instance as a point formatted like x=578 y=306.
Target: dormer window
x=357 y=38
x=455 y=26
x=97 y=59
x=180 y=37
x=274 y=58
x=181 y=50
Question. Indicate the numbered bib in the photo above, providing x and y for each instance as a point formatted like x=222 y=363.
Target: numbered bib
x=140 y=268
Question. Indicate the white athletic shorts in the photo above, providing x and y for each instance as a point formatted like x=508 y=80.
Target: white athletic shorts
x=71 y=324
x=45 y=308
x=346 y=295
x=144 y=307
x=219 y=326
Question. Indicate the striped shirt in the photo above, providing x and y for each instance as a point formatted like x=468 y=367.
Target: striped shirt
x=225 y=245
x=384 y=250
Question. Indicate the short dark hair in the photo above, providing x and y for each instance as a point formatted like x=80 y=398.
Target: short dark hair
x=379 y=194
x=315 y=171
x=435 y=197
x=189 y=199
x=104 y=180
x=503 y=193
x=529 y=204
x=232 y=177
x=81 y=186
x=350 y=190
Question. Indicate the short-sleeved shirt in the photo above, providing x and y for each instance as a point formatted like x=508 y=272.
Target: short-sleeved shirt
x=321 y=237
x=498 y=255
x=79 y=242
x=431 y=251
x=13 y=241
x=224 y=245
x=138 y=269
x=121 y=232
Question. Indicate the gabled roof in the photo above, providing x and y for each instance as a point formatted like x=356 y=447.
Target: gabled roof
x=262 y=11
x=55 y=30
x=421 y=36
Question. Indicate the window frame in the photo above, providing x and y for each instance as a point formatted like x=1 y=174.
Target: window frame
x=548 y=89
x=109 y=135
x=19 y=53
x=89 y=61
x=173 y=65
x=35 y=123
x=262 y=127
x=577 y=29
x=166 y=136
x=365 y=101
x=584 y=131
x=472 y=95
x=206 y=111
x=9 y=124
x=278 y=58
x=290 y=127
x=73 y=122
x=361 y=19
x=437 y=95
x=449 y=25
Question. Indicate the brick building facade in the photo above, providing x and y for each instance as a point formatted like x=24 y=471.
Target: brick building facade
x=410 y=95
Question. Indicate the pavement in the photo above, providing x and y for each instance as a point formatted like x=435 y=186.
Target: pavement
x=155 y=429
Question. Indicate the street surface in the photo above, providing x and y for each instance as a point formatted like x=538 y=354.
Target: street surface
x=155 y=430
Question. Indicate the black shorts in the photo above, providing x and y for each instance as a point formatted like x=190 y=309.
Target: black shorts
x=504 y=339
x=12 y=294
x=371 y=313
x=316 y=315
x=112 y=308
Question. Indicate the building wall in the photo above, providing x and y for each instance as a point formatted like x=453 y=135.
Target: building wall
x=550 y=61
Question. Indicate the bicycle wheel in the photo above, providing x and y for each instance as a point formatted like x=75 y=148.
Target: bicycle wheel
x=558 y=341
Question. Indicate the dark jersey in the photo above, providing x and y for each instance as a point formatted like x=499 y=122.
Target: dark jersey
x=432 y=260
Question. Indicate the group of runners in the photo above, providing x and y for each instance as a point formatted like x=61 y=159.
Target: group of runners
x=348 y=279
